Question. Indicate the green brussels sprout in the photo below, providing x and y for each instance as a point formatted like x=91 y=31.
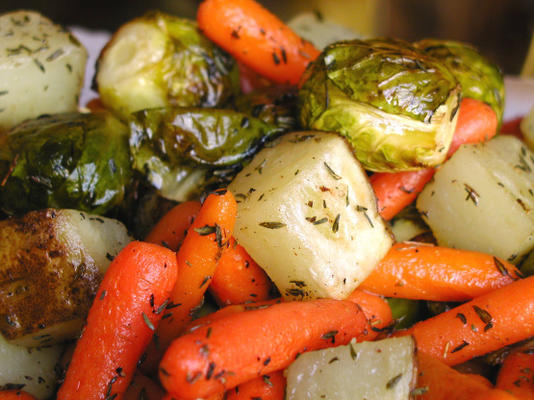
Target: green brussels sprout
x=159 y=60
x=179 y=149
x=405 y=312
x=70 y=160
x=479 y=78
x=275 y=105
x=395 y=105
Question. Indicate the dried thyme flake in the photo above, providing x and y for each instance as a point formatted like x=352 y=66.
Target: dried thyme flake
x=148 y=322
x=272 y=225
x=331 y=171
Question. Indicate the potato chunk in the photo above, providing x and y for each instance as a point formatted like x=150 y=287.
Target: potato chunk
x=482 y=199
x=382 y=370
x=41 y=68
x=308 y=216
x=51 y=263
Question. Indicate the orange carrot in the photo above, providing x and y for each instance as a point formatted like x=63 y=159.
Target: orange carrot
x=486 y=323
x=243 y=346
x=375 y=308
x=396 y=190
x=437 y=381
x=426 y=272
x=15 y=394
x=476 y=122
x=256 y=38
x=171 y=228
x=229 y=310
x=218 y=396
x=144 y=388
x=517 y=373
x=238 y=279
x=267 y=387
x=127 y=308
x=197 y=260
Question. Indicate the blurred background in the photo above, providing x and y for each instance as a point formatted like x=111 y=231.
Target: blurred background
x=501 y=29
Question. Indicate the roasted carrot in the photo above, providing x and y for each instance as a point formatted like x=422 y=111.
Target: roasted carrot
x=218 y=396
x=517 y=373
x=375 y=308
x=128 y=306
x=171 y=228
x=15 y=394
x=197 y=260
x=256 y=38
x=437 y=381
x=486 y=323
x=238 y=278
x=267 y=387
x=476 y=122
x=144 y=388
x=426 y=272
x=242 y=346
x=229 y=310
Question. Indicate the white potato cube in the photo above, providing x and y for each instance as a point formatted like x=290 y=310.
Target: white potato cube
x=41 y=68
x=382 y=370
x=307 y=214
x=482 y=199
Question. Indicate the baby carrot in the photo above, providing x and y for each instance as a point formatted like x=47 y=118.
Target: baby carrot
x=437 y=381
x=267 y=387
x=256 y=38
x=476 y=122
x=121 y=322
x=517 y=373
x=486 y=323
x=242 y=346
x=426 y=272
x=171 y=228
x=375 y=308
x=218 y=396
x=238 y=278
x=197 y=259
x=15 y=394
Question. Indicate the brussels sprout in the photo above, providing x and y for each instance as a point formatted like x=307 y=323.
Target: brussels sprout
x=480 y=78
x=396 y=106
x=273 y=104
x=406 y=312
x=159 y=60
x=179 y=148
x=67 y=160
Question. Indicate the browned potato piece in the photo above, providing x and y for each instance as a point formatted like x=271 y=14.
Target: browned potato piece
x=51 y=263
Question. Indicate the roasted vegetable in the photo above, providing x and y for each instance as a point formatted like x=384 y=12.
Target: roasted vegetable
x=32 y=370
x=179 y=147
x=479 y=77
x=406 y=312
x=273 y=104
x=52 y=263
x=396 y=106
x=41 y=68
x=159 y=60
x=481 y=199
x=381 y=370
x=67 y=160
x=307 y=214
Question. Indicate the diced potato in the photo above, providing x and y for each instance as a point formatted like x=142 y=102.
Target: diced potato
x=32 y=370
x=482 y=199
x=408 y=225
x=381 y=370
x=51 y=263
x=307 y=214
x=41 y=68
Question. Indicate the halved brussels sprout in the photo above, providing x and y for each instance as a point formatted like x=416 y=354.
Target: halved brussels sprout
x=396 y=106
x=273 y=104
x=160 y=60
x=479 y=77
x=69 y=160
x=180 y=148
